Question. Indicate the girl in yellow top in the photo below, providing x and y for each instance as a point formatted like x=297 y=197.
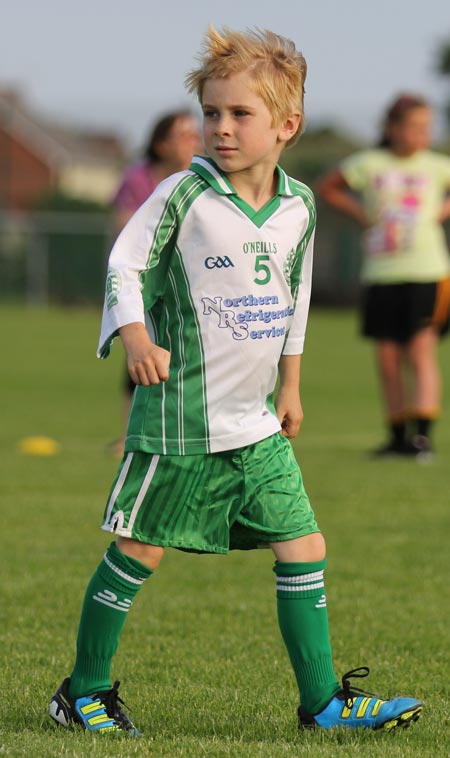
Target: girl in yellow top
x=398 y=193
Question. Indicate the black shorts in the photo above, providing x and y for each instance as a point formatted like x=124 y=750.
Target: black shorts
x=397 y=311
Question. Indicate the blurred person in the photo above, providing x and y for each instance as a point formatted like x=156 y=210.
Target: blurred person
x=173 y=140
x=398 y=193
x=208 y=287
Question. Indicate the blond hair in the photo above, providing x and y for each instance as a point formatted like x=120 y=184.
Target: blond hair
x=277 y=69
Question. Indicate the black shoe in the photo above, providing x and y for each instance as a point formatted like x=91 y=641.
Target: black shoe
x=97 y=713
x=393 y=449
x=422 y=449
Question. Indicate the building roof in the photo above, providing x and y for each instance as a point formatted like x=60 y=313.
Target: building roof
x=54 y=143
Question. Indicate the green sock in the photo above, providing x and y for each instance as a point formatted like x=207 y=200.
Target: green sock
x=303 y=620
x=108 y=598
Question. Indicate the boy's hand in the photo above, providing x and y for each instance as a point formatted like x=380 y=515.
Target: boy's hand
x=289 y=412
x=287 y=403
x=147 y=363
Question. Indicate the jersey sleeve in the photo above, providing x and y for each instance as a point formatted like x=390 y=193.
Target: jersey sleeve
x=138 y=265
x=301 y=283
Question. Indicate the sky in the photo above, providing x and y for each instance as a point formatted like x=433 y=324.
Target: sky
x=109 y=65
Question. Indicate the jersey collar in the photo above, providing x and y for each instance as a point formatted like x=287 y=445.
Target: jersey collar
x=211 y=173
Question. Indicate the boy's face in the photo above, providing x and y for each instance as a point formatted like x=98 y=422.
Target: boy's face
x=237 y=125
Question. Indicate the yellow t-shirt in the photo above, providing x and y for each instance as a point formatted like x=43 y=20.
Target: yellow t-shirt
x=403 y=197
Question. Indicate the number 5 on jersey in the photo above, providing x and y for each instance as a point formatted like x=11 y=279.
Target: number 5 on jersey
x=262 y=269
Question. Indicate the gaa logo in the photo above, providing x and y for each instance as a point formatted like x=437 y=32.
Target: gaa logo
x=219 y=262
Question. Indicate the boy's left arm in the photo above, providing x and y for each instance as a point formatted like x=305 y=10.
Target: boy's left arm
x=288 y=404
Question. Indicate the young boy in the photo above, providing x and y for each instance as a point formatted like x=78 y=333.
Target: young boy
x=208 y=287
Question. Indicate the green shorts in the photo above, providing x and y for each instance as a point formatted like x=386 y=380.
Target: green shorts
x=238 y=499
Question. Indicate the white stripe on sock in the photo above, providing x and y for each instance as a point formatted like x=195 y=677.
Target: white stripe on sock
x=121 y=573
x=300 y=588
x=301 y=578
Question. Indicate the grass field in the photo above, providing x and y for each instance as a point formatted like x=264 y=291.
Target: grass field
x=201 y=661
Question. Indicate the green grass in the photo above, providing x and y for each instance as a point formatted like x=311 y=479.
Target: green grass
x=201 y=660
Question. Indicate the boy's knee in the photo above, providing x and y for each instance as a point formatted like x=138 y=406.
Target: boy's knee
x=319 y=546
x=309 y=548
x=149 y=555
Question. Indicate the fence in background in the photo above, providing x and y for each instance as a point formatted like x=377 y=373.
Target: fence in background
x=51 y=257
x=54 y=257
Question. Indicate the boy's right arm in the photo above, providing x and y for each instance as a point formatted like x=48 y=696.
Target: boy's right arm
x=136 y=277
x=147 y=363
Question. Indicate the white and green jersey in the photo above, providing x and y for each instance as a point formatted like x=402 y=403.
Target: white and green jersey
x=226 y=290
